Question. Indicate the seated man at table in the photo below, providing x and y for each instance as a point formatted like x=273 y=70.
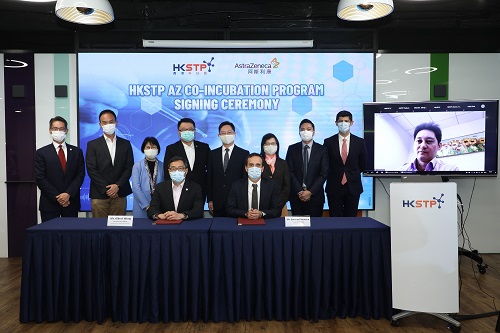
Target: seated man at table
x=176 y=198
x=254 y=197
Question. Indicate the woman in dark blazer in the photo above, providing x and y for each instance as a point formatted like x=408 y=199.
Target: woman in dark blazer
x=275 y=168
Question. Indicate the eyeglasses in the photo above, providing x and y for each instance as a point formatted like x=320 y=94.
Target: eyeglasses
x=186 y=129
x=62 y=129
x=150 y=147
x=181 y=168
x=226 y=133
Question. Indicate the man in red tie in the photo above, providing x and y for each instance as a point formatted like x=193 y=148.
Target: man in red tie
x=347 y=159
x=59 y=173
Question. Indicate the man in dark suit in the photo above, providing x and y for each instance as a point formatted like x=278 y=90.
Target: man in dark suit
x=195 y=152
x=59 y=173
x=347 y=159
x=225 y=166
x=177 y=198
x=109 y=165
x=254 y=197
x=308 y=166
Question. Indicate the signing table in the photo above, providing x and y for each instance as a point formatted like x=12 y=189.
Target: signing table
x=207 y=269
x=80 y=269
x=337 y=267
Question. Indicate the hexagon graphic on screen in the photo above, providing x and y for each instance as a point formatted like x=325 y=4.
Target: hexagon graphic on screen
x=302 y=104
x=343 y=71
x=140 y=122
x=151 y=104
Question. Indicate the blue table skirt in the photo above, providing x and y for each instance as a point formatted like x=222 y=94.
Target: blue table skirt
x=337 y=267
x=79 y=269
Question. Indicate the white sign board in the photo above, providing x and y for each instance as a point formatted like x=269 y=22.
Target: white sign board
x=120 y=221
x=424 y=247
x=297 y=221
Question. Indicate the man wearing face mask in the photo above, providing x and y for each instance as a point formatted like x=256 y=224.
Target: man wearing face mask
x=254 y=197
x=226 y=165
x=195 y=152
x=109 y=165
x=347 y=160
x=177 y=198
x=308 y=166
x=59 y=173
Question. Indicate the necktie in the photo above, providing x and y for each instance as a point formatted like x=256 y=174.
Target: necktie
x=255 y=198
x=306 y=163
x=226 y=159
x=62 y=158
x=344 y=158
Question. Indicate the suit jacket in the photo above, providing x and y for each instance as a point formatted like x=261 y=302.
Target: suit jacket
x=190 y=202
x=197 y=172
x=103 y=173
x=281 y=178
x=141 y=186
x=355 y=164
x=269 y=199
x=219 y=182
x=52 y=181
x=316 y=173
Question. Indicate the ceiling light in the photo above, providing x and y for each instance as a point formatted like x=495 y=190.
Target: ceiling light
x=91 y=12
x=228 y=44
x=364 y=10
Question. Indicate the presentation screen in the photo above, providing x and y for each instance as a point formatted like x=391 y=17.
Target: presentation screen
x=401 y=138
x=258 y=92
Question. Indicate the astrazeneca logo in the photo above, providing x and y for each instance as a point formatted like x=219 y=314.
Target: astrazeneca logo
x=424 y=203
x=195 y=68
x=258 y=68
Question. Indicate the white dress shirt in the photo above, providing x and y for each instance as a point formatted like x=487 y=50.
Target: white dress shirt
x=250 y=190
x=190 y=153
x=111 y=147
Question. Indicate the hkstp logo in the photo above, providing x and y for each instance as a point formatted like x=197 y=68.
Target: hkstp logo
x=434 y=203
x=205 y=66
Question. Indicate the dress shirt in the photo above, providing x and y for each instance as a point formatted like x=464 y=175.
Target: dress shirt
x=229 y=152
x=64 y=148
x=176 y=191
x=347 y=141
x=433 y=165
x=111 y=147
x=308 y=151
x=250 y=189
x=190 y=153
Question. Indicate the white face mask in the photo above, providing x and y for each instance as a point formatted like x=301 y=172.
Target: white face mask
x=270 y=150
x=306 y=136
x=254 y=173
x=109 y=129
x=227 y=139
x=151 y=153
x=58 y=136
x=343 y=127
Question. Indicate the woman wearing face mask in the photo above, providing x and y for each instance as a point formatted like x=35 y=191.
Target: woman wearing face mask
x=275 y=168
x=146 y=173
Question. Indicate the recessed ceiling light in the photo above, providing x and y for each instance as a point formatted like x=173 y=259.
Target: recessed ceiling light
x=421 y=70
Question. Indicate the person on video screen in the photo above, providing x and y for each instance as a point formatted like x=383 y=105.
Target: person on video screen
x=426 y=143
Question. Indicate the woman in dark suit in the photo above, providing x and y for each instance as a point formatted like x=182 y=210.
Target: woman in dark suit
x=275 y=168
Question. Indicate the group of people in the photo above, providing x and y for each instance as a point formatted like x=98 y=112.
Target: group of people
x=233 y=181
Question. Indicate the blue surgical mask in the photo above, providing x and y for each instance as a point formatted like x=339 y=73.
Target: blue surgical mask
x=254 y=173
x=187 y=136
x=177 y=176
x=343 y=127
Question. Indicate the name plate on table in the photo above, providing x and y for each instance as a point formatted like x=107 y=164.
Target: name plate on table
x=297 y=221
x=120 y=221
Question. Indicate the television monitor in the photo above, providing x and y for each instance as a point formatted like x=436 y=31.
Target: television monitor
x=258 y=92
x=399 y=138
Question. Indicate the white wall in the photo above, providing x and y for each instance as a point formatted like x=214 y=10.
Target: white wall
x=472 y=76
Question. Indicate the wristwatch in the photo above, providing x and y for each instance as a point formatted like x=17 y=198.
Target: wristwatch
x=155 y=217
x=185 y=216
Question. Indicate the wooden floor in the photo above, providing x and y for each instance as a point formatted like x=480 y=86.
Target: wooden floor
x=478 y=294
